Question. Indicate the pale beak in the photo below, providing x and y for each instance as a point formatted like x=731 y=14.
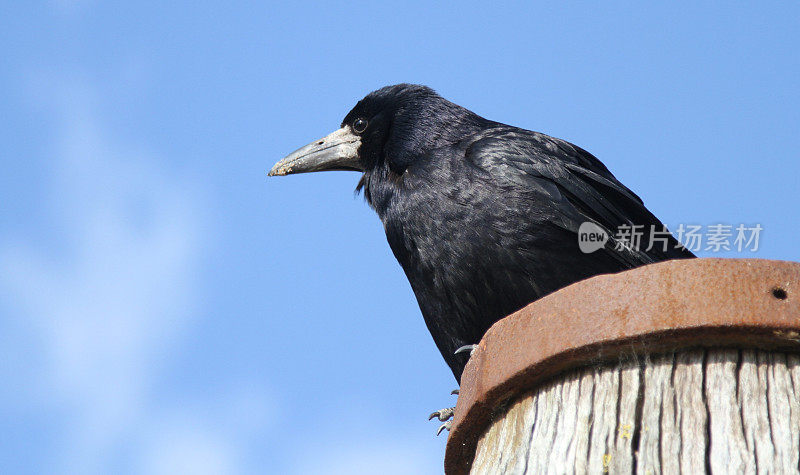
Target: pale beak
x=337 y=151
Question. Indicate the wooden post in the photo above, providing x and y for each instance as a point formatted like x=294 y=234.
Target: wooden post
x=679 y=367
x=720 y=411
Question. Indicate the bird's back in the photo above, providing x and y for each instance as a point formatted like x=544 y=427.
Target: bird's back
x=489 y=223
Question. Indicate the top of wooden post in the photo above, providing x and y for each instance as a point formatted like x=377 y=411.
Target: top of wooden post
x=668 y=306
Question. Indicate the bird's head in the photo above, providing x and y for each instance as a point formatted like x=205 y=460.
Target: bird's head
x=388 y=129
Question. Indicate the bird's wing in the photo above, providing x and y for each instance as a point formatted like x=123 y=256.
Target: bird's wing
x=584 y=189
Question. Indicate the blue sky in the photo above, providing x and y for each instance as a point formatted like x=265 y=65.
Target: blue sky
x=166 y=308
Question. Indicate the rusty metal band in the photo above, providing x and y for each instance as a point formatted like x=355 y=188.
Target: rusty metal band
x=669 y=306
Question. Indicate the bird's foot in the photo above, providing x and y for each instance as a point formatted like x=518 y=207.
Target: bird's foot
x=443 y=414
x=462 y=349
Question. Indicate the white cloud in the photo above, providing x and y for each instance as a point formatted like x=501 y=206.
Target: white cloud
x=180 y=441
x=102 y=285
x=387 y=456
x=105 y=292
x=189 y=450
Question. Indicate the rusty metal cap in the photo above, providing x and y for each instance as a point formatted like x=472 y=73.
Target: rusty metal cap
x=745 y=303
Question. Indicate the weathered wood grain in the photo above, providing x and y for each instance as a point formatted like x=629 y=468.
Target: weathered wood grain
x=700 y=411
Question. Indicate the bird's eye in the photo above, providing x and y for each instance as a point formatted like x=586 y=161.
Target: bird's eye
x=360 y=125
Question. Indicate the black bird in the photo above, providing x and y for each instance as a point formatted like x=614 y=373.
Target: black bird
x=482 y=216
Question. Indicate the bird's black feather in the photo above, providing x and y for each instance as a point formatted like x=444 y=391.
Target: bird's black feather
x=483 y=217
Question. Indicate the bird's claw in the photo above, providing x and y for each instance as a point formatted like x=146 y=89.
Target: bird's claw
x=442 y=414
x=445 y=415
x=444 y=426
x=462 y=349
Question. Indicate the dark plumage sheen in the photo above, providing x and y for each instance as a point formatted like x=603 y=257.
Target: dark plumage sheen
x=482 y=216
